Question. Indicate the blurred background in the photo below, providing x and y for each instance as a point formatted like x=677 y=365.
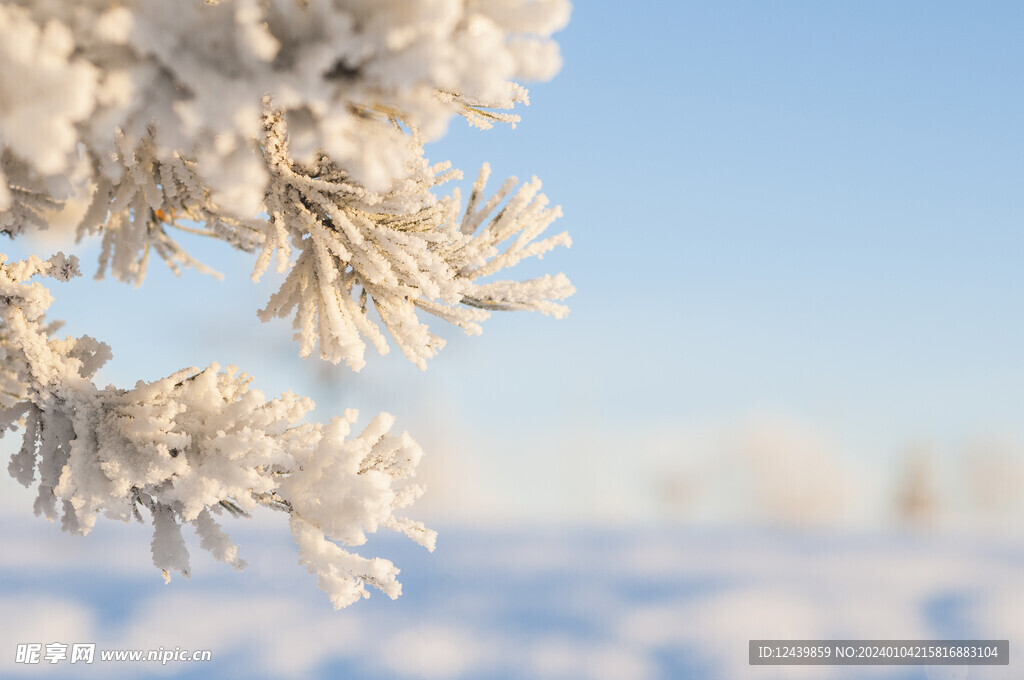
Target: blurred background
x=787 y=402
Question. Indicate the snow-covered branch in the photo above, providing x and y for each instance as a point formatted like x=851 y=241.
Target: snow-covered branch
x=293 y=130
x=403 y=249
x=299 y=111
x=192 y=76
x=191 y=446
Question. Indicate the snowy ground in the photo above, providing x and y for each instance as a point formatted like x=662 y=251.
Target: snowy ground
x=641 y=603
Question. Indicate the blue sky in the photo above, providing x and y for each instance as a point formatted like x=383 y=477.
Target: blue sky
x=807 y=211
x=784 y=204
x=800 y=212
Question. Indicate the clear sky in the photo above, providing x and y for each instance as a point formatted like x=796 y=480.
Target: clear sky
x=801 y=218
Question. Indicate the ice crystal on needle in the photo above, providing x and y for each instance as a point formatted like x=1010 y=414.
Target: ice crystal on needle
x=404 y=250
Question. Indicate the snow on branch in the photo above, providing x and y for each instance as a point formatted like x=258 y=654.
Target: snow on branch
x=404 y=250
x=154 y=196
x=192 y=76
x=192 y=446
x=294 y=130
x=312 y=113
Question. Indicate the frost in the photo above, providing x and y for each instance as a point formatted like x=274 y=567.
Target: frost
x=293 y=130
x=196 y=73
x=403 y=250
x=286 y=124
x=193 y=445
x=44 y=91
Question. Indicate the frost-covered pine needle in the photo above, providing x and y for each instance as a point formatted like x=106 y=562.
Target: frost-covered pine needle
x=293 y=130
